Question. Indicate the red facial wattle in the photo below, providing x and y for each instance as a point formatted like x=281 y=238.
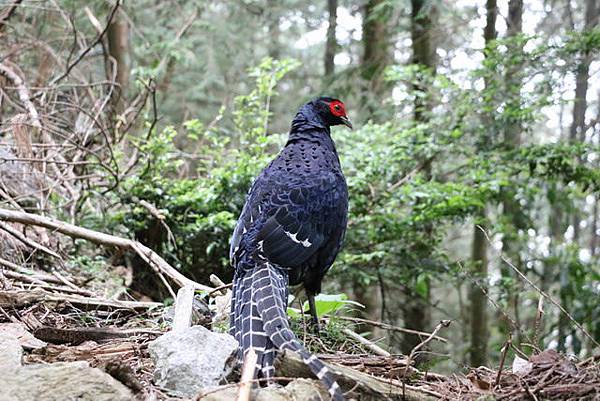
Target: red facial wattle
x=337 y=108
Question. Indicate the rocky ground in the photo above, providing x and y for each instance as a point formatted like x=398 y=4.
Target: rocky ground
x=64 y=336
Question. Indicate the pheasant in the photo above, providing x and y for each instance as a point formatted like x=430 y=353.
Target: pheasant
x=289 y=232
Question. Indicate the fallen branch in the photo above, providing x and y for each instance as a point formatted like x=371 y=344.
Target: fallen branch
x=369 y=344
x=356 y=384
x=151 y=257
x=19 y=298
x=79 y=335
x=21 y=237
x=390 y=327
x=32 y=280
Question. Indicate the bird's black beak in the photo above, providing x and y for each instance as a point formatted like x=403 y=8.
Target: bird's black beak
x=346 y=121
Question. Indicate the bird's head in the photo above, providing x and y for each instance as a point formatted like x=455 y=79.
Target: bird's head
x=330 y=111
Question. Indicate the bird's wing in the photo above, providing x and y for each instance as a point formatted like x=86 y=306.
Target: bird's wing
x=289 y=218
x=294 y=232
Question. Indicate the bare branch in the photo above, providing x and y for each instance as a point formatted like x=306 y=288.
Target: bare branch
x=113 y=11
x=72 y=230
x=541 y=292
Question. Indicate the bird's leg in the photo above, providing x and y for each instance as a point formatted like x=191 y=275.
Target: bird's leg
x=313 y=312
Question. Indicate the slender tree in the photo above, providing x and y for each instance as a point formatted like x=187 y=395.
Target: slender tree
x=331 y=44
x=577 y=134
x=376 y=56
x=478 y=317
x=273 y=17
x=119 y=50
x=512 y=213
x=376 y=53
x=417 y=313
x=582 y=74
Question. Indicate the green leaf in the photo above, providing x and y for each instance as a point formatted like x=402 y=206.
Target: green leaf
x=330 y=303
x=422 y=285
x=294 y=313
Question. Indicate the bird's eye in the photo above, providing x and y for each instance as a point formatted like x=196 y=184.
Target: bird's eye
x=337 y=108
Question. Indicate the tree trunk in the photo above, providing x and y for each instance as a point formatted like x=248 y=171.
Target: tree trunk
x=417 y=309
x=512 y=137
x=375 y=57
x=376 y=50
x=577 y=134
x=478 y=315
x=274 y=31
x=577 y=131
x=331 y=44
x=479 y=330
x=118 y=48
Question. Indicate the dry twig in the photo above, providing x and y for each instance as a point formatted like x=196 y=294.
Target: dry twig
x=390 y=327
x=541 y=292
x=105 y=239
x=247 y=375
x=369 y=344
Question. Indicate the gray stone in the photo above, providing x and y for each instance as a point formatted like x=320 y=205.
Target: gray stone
x=296 y=390
x=25 y=338
x=53 y=382
x=11 y=352
x=191 y=359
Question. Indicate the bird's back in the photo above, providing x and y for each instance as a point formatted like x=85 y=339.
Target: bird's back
x=297 y=207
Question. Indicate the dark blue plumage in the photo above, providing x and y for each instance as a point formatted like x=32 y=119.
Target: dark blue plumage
x=289 y=232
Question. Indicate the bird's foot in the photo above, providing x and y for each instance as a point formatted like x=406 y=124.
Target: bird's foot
x=315 y=326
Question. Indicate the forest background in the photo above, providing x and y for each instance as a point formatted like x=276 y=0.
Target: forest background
x=472 y=169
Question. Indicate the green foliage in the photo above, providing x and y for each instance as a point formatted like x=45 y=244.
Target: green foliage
x=327 y=304
x=410 y=182
x=201 y=213
x=252 y=111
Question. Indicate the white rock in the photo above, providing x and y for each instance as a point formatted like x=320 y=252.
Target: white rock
x=53 y=382
x=191 y=359
x=25 y=338
x=521 y=366
x=10 y=352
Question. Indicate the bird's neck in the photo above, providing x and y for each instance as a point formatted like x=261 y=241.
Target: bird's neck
x=308 y=126
x=308 y=118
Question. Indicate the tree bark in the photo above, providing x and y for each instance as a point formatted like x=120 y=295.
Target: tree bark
x=478 y=311
x=376 y=48
x=577 y=134
x=577 y=131
x=274 y=32
x=331 y=44
x=118 y=48
x=582 y=74
x=512 y=139
x=417 y=309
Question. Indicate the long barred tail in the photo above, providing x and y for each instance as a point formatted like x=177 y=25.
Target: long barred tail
x=259 y=320
x=247 y=326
